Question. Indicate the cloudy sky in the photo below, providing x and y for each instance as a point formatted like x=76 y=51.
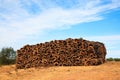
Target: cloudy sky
x=34 y=21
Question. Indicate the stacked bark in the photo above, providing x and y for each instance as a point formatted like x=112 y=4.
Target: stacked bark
x=69 y=52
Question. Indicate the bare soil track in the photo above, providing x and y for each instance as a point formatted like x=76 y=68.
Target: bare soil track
x=106 y=71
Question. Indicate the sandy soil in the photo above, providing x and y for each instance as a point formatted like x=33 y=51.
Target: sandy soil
x=106 y=71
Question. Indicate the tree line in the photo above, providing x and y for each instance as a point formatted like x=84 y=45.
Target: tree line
x=113 y=59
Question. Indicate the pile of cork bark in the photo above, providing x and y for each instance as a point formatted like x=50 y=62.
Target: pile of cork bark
x=69 y=52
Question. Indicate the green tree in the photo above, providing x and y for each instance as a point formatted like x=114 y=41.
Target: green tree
x=110 y=59
x=7 y=56
x=113 y=59
x=116 y=59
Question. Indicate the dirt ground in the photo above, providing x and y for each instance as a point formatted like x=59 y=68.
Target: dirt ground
x=106 y=71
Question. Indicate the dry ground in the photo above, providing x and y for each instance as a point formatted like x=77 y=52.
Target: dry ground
x=106 y=71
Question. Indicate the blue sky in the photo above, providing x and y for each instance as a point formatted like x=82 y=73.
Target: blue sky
x=34 y=21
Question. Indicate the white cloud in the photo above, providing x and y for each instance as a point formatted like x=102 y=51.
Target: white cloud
x=18 y=23
x=111 y=41
x=113 y=53
x=105 y=38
